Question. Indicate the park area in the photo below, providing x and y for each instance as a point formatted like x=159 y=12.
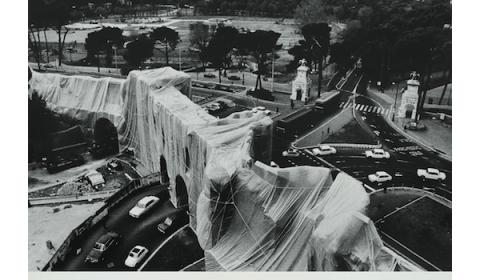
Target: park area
x=182 y=57
x=415 y=225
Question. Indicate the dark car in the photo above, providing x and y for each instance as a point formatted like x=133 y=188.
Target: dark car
x=415 y=126
x=102 y=246
x=166 y=224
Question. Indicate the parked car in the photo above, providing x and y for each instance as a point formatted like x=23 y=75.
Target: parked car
x=143 y=205
x=95 y=179
x=324 y=150
x=431 y=174
x=234 y=78
x=377 y=153
x=102 y=246
x=136 y=255
x=114 y=165
x=290 y=153
x=209 y=75
x=379 y=177
x=415 y=126
x=274 y=164
x=165 y=224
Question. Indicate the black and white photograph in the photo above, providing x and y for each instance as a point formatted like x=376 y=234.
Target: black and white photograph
x=239 y=135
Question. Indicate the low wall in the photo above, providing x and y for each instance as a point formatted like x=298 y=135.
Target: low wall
x=101 y=213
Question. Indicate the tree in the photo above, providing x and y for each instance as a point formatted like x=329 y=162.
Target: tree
x=166 y=37
x=103 y=40
x=220 y=46
x=260 y=44
x=41 y=122
x=310 y=11
x=200 y=34
x=138 y=51
x=57 y=13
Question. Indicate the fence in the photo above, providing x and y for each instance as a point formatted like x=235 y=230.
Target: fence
x=101 y=213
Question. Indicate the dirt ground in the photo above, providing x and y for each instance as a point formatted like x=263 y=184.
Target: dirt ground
x=44 y=224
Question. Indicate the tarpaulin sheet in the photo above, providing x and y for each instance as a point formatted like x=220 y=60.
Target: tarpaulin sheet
x=247 y=215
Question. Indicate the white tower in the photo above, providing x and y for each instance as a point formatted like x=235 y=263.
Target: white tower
x=408 y=105
x=302 y=83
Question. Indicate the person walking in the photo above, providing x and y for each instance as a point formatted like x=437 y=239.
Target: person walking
x=292 y=104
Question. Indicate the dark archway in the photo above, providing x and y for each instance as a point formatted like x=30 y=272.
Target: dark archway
x=105 y=138
x=181 y=192
x=299 y=94
x=408 y=111
x=163 y=171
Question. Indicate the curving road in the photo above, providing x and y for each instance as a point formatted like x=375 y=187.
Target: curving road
x=134 y=232
x=406 y=155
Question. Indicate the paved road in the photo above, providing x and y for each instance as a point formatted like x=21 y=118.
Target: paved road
x=406 y=155
x=134 y=232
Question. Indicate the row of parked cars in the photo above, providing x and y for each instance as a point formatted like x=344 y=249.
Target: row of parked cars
x=377 y=177
x=111 y=239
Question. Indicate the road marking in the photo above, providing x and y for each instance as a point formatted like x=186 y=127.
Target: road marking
x=192 y=264
x=387 y=112
x=159 y=247
x=361 y=107
x=368 y=187
x=357 y=106
x=379 y=110
x=398 y=209
x=341 y=104
x=291 y=162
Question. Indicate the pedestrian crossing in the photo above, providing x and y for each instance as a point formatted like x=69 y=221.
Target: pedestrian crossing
x=365 y=108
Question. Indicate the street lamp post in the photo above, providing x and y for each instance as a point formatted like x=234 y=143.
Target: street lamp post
x=115 y=56
x=180 y=59
x=273 y=66
x=395 y=103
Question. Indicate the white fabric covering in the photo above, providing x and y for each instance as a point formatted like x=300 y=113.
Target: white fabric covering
x=247 y=216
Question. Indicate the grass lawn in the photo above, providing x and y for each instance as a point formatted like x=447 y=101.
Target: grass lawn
x=424 y=227
x=350 y=133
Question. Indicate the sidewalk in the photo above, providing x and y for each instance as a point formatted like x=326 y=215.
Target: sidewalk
x=437 y=136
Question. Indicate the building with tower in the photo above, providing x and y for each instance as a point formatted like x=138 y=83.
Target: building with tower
x=302 y=84
x=409 y=102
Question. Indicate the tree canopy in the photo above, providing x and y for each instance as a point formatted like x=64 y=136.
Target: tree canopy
x=220 y=46
x=167 y=38
x=103 y=40
x=138 y=51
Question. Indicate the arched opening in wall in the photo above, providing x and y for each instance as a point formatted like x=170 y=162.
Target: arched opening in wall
x=409 y=111
x=105 y=139
x=163 y=171
x=181 y=192
x=299 y=94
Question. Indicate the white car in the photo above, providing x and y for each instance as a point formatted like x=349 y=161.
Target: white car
x=290 y=153
x=143 y=205
x=324 y=150
x=274 y=164
x=136 y=255
x=377 y=153
x=431 y=174
x=379 y=177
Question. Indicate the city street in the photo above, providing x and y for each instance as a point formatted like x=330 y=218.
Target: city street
x=134 y=232
x=406 y=156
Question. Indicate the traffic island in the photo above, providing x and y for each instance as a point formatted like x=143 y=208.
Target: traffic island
x=415 y=225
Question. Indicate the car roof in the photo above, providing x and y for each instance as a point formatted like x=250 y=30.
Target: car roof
x=148 y=198
x=104 y=238
x=378 y=150
x=432 y=170
x=382 y=173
